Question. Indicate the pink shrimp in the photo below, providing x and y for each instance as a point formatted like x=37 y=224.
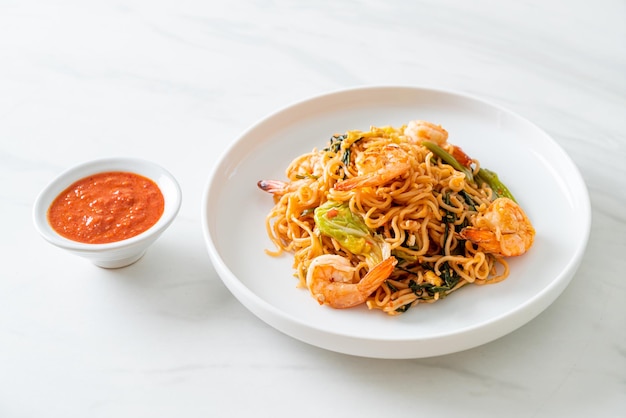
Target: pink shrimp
x=420 y=130
x=503 y=229
x=330 y=279
x=277 y=187
x=377 y=167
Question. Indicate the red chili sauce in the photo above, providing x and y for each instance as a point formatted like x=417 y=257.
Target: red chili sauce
x=106 y=207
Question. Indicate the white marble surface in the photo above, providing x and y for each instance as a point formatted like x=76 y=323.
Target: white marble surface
x=175 y=82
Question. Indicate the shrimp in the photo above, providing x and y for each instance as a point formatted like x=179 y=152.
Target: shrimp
x=277 y=187
x=330 y=280
x=504 y=229
x=376 y=167
x=420 y=130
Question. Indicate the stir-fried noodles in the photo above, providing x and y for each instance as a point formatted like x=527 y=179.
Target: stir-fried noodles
x=393 y=217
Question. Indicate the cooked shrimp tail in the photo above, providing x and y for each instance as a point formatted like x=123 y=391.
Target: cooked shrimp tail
x=277 y=187
x=272 y=186
x=376 y=276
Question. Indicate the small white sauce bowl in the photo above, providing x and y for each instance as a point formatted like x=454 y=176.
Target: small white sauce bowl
x=119 y=253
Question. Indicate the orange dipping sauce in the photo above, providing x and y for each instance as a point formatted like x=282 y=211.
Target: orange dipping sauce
x=106 y=207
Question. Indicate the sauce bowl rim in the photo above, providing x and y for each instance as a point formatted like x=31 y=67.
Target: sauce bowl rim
x=167 y=183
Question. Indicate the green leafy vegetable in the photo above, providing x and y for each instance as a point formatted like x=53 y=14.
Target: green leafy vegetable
x=391 y=286
x=468 y=199
x=428 y=290
x=404 y=308
x=335 y=146
x=449 y=276
x=335 y=143
x=335 y=220
x=448 y=158
x=483 y=175
x=491 y=178
x=400 y=252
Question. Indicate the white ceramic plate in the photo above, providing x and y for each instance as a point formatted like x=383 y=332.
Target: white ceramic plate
x=541 y=176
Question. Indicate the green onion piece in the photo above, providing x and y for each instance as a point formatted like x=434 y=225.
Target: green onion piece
x=448 y=158
x=483 y=175
x=491 y=178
